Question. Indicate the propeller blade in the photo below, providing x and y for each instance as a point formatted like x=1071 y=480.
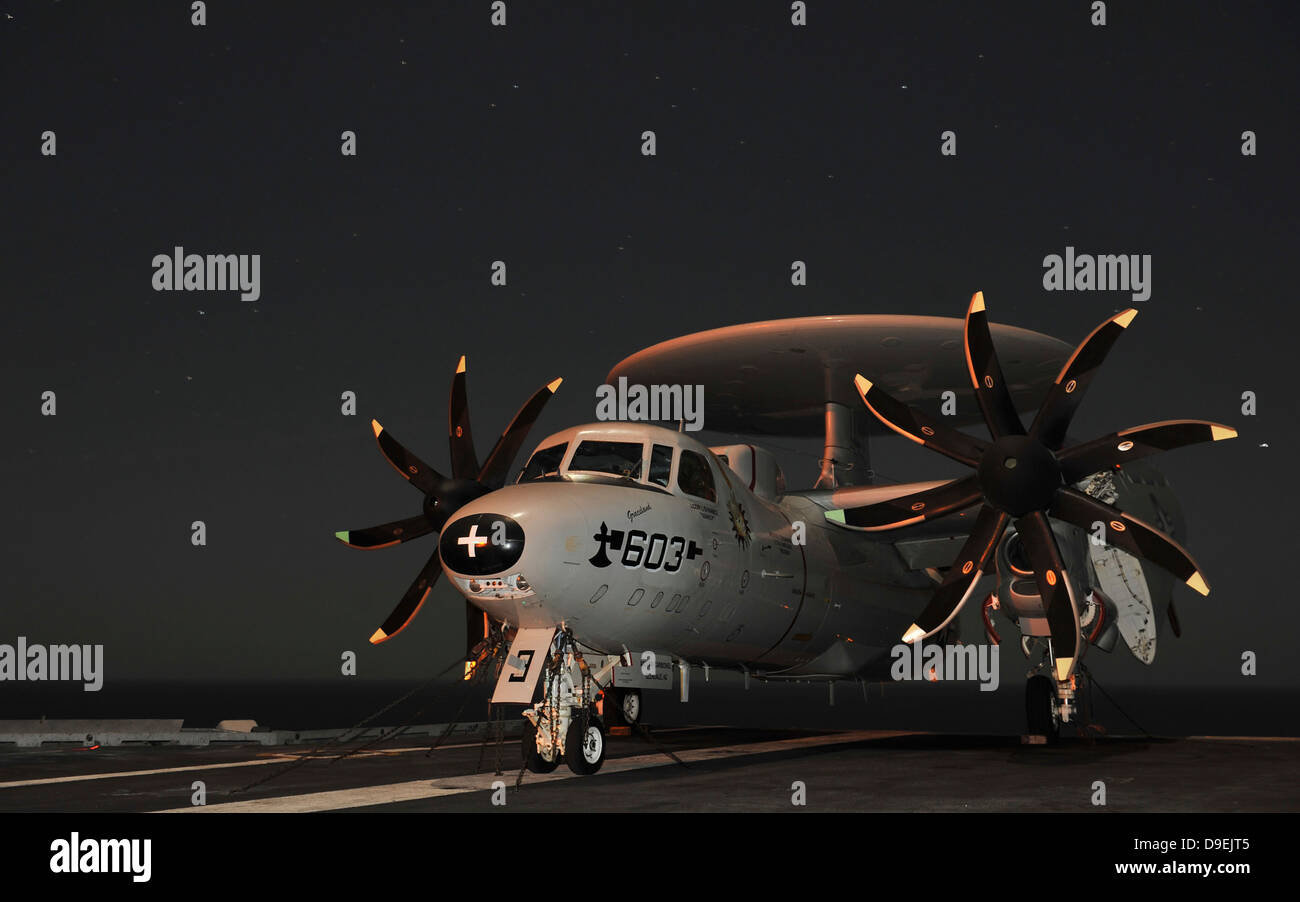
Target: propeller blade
x=986 y=373
x=503 y=453
x=1173 y=620
x=1081 y=461
x=916 y=507
x=410 y=604
x=1053 y=587
x=388 y=534
x=464 y=462
x=1128 y=533
x=1067 y=392
x=417 y=472
x=911 y=423
x=962 y=577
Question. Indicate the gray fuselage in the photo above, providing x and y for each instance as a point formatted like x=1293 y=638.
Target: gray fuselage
x=644 y=559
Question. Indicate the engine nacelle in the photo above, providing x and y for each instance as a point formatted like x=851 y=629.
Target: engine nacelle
x=1017 y=587
x=1116 y=594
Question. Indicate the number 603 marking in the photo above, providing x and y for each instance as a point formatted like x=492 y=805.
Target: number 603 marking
x=654 y=551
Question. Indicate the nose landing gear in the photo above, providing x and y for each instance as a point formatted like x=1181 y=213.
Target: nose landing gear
x=565 y=724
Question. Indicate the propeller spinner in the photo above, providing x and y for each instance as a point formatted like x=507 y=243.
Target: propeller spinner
x=1025 y=477
x=444 y=495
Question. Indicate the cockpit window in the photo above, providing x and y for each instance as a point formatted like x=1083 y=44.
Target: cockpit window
x=618 y=458
x=544 y=462
x=661 y=464
x=694 y=478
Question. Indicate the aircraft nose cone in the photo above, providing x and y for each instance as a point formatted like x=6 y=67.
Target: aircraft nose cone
x=481 y=544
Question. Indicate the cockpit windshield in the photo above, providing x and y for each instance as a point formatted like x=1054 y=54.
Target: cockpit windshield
x=616 y=458
x=544 y=462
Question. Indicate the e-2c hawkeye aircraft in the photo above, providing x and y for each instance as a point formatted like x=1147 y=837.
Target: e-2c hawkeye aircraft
x=623 y=547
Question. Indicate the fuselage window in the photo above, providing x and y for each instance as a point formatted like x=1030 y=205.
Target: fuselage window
x=545 y=462
x=661 y=464
x=618 y=458
x=694 y=478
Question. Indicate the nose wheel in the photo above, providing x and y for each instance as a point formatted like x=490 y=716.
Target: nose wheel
x=584 y=747
x=534 y=760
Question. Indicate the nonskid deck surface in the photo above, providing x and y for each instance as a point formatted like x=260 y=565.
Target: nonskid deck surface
x=723 y=770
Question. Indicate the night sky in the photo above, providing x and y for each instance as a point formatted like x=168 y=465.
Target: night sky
x=477 y=143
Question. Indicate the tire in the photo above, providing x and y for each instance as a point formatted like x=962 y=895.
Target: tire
x=628 y=704
x=532 y=759
x=585 y=753
x=1040 y=708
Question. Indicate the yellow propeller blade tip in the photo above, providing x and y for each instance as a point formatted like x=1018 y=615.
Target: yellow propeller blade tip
x=1126 y=317
x=460 y=367
x=379 y=636
x=1197 y=582
x=374 y=424
x=862 y=382
x=555 y=385
x=1063 y=667
x=1219 y=433
x=977 y=302
x=913 y=633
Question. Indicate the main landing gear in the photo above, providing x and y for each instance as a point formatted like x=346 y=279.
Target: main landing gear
x=627 y=706
x=1041 y=708
x=1049 y=702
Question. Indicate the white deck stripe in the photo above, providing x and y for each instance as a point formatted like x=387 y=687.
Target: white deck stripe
x=412 y=790
x=273 y=758
x=288 y=756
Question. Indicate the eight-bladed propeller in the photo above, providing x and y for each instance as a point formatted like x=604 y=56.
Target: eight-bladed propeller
x=443 y=495
x=1025 y=478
